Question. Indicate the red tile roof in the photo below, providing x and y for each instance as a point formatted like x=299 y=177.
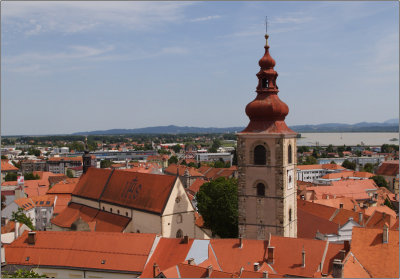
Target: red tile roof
x=56 y=159
x=101 y=220
x=347 y=203
x=149 y=192
x=174 y=169
x=352 y=188
x=332 y=253
x=381 y=260
x=322 y=211
x=6 y=166
x=169 y=252
x=346 y=174
x=87 y=250
x=308 y=225
x=323 y=166
x=92 y=183
x=378 y=219
x=195 y=187
x=389 y=168
x=64 y=187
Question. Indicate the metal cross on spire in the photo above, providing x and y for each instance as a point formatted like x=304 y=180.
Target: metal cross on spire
x=266 y=24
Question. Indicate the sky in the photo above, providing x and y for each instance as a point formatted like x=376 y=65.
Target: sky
x=82 y=66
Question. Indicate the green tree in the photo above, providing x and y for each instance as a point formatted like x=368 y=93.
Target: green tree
x=217 y=202
x=69 y=173
x=173 y=160
x=380 y=181
x=333 y=162
x=310 y=160
x=105 y=163
x=176 y=148
x=184 y=162
x=329 y=148
x=31 y=176
x=32 y=151
x=192 y=165
x=219 y=164
x=349 y=165
x=215 y=145
x=4 y=157
x=11 y=176
x=302 y=149
x=368 y=167
x=389 y=148
x=164 y=151
x=388 y=204
x=22 y=273
x=19 y=216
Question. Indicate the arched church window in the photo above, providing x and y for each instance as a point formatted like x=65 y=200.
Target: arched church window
x=260 y=189
x=260 y=154
x=179 y=234
x=265 y=83
x=290 y=154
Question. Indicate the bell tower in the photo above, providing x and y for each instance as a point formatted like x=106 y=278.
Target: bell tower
x=267 y=189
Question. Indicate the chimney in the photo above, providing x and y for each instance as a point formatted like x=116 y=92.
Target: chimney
x=185 y=239
x=155 y=269
x=360 y=218
x=342 y=254
x=209 y=271
x=190 y=261
x=265 y=274
x=16 y=231
x=240 y=241
x=347 y=245
x=303 y=258
x=385 y=233
x=31 y=238
x=337 y=268
x=270 y=258
x=256 y=266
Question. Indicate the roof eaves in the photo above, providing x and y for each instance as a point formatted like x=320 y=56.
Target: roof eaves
x=83 y=268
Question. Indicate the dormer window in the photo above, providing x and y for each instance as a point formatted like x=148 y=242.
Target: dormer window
x=265 y=83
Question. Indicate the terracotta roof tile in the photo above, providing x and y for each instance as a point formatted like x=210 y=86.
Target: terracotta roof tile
x=64 y=187
x=332 y=253
x=347 y=203
x=169 y=252
x=174 y=169
x=57 y=159
x=120 y=252
x=308 y=225
x=380 y=259
x=92 y=183
x=195 y=187
x=343 y=216
x=141 y=191
x=102 y=221
x=323 y=166
x=6 y=166
x=389 y=168
x=322 y=211
x=378 y=219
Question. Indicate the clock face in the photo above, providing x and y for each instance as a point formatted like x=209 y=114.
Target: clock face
x=290 y=178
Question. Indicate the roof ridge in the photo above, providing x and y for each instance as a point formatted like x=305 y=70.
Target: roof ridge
x=334 y=214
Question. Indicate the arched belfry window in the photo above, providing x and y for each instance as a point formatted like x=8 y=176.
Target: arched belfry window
x=290 y=215
x=260 y=155
x=290 y=154
x=260 y=189
x=265 y=83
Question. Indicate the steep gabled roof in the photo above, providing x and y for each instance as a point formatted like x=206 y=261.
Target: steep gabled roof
x=86 y=250
x=308 y=225
x=149 y=192
x=92 y=183
x=6 y=166
x=389 y=168
x=380 y=259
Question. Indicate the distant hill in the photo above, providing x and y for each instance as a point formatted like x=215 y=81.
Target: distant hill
x=391 y=125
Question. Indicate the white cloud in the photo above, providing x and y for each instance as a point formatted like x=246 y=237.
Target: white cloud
x=33 y=18
x=291 y=19
x=206 y=18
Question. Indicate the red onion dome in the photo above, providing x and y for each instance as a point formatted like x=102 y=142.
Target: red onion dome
x=266 y=61
x=267 y=107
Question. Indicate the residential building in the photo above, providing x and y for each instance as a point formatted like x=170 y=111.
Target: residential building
x=29 y=166
x=267 y=157
x=186 y=174
x=309 y=173
x=7 y=167
x=212 y=157
x=390 y=171
x=59 y=164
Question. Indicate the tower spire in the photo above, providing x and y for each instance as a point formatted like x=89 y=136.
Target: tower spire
x=267 y=112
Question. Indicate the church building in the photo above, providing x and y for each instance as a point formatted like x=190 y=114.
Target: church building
x=267 y=162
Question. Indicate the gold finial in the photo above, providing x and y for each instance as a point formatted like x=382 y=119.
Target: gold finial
x=266 y=40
